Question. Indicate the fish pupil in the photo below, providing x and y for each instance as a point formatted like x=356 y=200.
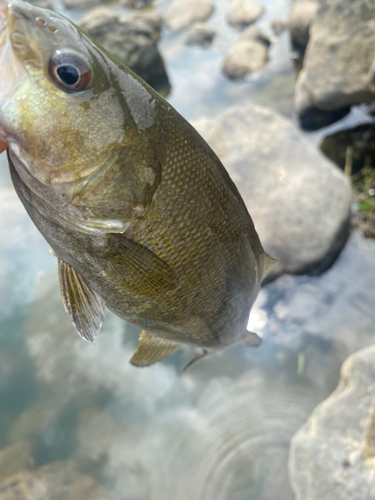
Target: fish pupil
x=68 y=74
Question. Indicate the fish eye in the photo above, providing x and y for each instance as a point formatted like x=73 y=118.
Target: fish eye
x=69 y=72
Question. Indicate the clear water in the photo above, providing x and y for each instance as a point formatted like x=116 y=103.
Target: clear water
x=222 y=429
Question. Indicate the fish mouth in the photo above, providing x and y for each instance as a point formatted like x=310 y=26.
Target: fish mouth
x=12 y=70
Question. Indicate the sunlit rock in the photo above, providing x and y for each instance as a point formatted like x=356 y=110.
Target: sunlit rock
x=132 y=38
x=183 y=13
x=333 y=454
x=242 y=13
x=299 y=201
x=339 y=65
x=201 y=35
x=248 y=55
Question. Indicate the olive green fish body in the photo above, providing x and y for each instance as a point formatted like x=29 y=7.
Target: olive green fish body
x=139 y=211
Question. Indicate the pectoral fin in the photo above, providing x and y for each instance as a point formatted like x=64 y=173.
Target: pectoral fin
x=138 y=269
x=84 y=306
x=152 y=349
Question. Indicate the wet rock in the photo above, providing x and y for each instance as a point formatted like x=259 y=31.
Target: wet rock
x=342 y=37
x=301 y=18
x=183 y=13
x=14 y=458
x=60 y=480
x=249 y=55
x=242 y=13
x=278 y=27
x=299 y=201
x=132 y=38
x=333 y=454
x=200 y=34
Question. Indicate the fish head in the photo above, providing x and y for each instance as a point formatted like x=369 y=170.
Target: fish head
x=56 y=95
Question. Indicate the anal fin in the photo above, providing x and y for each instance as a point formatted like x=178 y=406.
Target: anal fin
x=84 y=306
x=152 y=349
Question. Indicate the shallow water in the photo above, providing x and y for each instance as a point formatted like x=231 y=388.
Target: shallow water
x=222 y=429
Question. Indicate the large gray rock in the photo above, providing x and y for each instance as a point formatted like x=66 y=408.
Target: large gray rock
x=183 y=13
x=302 y=15
x=132 y=38
x=299 y=201
x=242 y=13
x=58 y=480
x=339 y=64
x=333 y=455
x=249 y=55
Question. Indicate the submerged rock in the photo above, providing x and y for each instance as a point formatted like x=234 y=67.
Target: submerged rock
x=242 y=13
x=132 y=38
x=299 y=201
x=201 y=35
x=183 y=13
x=14 y=458
x=58 y=480
x=249 y=55
x=333 y=454
x=339 y=65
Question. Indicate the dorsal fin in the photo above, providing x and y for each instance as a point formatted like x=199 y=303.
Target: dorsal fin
x=152 y=349
x=268 y=263
x=84 y=306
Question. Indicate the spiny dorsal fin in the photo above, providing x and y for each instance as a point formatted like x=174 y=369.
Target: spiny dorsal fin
x=152 y=349
x=138 y=269
x=84 y=306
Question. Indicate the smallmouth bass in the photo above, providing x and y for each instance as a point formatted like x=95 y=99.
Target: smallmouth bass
x=140 y=213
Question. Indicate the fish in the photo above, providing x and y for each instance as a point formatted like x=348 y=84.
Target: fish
x=139 y=211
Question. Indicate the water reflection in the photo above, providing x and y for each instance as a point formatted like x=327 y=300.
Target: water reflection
x=219 y=431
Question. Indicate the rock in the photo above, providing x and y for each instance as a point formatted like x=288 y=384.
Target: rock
x=135 y=4
x=342 y=37
x=58 y=480
x=249 y=55
x=200 y=34
x=299 y=201
x=14 y=458
x=333 y=454
x=278 y=27
x=132 y=38
x=301 y=18
x=183 y=13
x=242 y=13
